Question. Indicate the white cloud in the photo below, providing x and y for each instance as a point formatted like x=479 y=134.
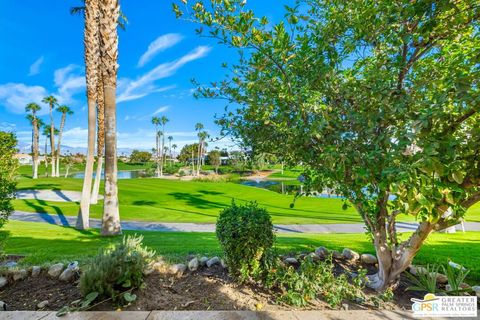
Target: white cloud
x=158 y=45
x=145 y=84
x=7 y=126
x=68 y=82
x=15 y=96
x=161 y=110
x=35 y=67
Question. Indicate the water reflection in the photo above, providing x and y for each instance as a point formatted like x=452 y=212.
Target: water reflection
x=124 y=174
x=285 y=187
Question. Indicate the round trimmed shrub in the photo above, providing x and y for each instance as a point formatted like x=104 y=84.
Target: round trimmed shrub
x=246 y=234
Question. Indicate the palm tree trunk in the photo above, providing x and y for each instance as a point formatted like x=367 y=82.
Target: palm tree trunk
x=98 y=178
x=35 y=149
x=109 y=13
x=62 y=125
x=52 y=141
x=92 y=47
x=162 y=152
x=157 y=159
x=84 y=211
x=45 y=157
x=100 y=140
x=111 y=216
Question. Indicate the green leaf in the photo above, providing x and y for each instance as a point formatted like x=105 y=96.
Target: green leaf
x=129 y=297
x=458 y=176
x=63 y=311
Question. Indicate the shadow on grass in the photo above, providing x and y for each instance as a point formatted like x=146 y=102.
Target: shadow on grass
x=197 y=200
x=41 y=207
x=144 y=203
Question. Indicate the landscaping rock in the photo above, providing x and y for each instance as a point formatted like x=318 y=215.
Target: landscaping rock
x=349 y=254
x=42 y=304
x=291 y=261
x=476 y=289
x=10 y=264
x=302 y=256
x=3 y=306
x=441 y=278
x=322 y=252
x=213 y=261
x=69 y=272
x=55 y=270
x=337 y=255
x=36 y=271
x=3 y=282
x=368 y=258
x=19 y=274
x=345 y=306
x=313 y=256
x=193 y=264
x=178 y=268
x=203 y=261
x=416 y=270
x=223 y=263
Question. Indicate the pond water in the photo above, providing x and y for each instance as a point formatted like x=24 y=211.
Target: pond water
x=283 y=187
x=123 y=174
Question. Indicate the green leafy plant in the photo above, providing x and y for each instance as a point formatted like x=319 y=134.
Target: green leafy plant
x=115 y=270
x=311 y=279
x=455 y=276
x=425 y=280
x=245 y=233
x=8 y=168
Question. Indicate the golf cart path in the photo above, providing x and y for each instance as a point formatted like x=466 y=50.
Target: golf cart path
x=52 y=195
x=69 y=221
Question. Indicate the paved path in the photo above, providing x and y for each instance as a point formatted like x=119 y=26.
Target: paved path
x=51 y=195
x=216 y=315
x=210 y=227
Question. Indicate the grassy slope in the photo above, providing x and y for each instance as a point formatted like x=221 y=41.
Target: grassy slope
x=187 y=201
x=44 y=243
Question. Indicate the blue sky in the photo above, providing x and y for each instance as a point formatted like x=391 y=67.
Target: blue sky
x=42 y=54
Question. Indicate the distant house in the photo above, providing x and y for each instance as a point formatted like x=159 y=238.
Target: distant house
x=23 y=158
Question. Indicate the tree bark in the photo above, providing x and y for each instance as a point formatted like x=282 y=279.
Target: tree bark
x=391 y=263
x=52 y=141
x=96 y=184
x=84 y=211
x=111 y=216
x=62 y=125
x=35 y=148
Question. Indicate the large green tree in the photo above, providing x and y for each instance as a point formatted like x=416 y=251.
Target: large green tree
x=378 y=99
x=8 y=171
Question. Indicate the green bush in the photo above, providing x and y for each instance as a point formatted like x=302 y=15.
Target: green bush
x=8 y=171
x=245 y=233
x=116 y=270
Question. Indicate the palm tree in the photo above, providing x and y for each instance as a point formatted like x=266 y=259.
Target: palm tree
x=92 y=65
x=52 y=102
x=170 y=138
x=163 y=121
x=198 y=127
x=100 y=142
x=202 y=136
x=64 y=110
x=32 y=117
x=47 y=131
x=109 y=14
x=174 y=146
x=156 y=122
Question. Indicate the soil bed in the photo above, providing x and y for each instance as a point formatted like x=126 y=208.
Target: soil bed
x=205 y=289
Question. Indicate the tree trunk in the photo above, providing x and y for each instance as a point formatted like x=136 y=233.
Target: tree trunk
x=46 y=158
x=84 y=211
x=96 y=184
x=111 y=216
x=391 y=263
x=162 y=152
x=35 y=149
x=158 y=151
x=62 y=125
x=52 y=141
x=67 y=170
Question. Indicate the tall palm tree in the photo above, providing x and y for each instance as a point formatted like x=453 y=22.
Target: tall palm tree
x=100 y=141
x=198 y=127
x=174 y=146
x=163 y=121
x=52 y=102
x=65 y=111
x=47 y=132
x=32 y=117
x=170 y=138
x=202 y=136
x=92 y=63
x=156 y=123
x=109 y=13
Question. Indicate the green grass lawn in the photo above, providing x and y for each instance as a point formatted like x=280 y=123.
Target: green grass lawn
x=189 y=201
x=44 y=243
